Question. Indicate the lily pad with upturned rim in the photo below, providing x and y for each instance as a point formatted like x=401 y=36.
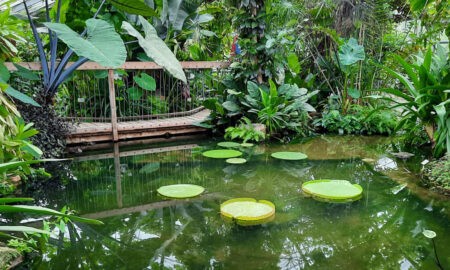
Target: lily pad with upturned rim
x=338 y=191
x=229 y=144
x=289 y=155
x=181 y=191
x=222 y=153
x=236 y=160
x=247 y=211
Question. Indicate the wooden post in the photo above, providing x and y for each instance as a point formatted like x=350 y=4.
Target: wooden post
x=112 y=102
x=117 y=173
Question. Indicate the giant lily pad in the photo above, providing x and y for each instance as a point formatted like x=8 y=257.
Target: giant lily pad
x=289 y=155
x=247 y=211
x=229 y=144
x=236 y=160
x=222 y=153
x=338 y=191
x=181 y=191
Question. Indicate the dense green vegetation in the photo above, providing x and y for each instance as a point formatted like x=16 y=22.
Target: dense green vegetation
x=297 y=67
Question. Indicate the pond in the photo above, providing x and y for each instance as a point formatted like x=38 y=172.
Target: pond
x=143 y=230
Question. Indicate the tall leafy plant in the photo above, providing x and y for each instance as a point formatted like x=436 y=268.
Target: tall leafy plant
x=424 y=96
x=99 y=43
x=12 y=32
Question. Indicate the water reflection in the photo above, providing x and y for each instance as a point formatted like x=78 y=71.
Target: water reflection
x=145 y=231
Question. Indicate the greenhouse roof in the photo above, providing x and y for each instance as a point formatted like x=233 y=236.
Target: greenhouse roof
x=17 y=6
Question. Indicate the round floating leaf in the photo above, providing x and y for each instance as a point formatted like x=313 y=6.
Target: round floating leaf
x=229 y=144
x=247 y=211
x=223 y=153
x=247 y=144
x=333 y=190
x=289 y=155
x=236 y=160
x=181 y=191
x=429 y=234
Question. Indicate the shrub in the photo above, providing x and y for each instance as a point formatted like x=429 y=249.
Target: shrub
x=436 y=175
x=358 y=120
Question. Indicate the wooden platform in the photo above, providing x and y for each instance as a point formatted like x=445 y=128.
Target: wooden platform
x=100 y=132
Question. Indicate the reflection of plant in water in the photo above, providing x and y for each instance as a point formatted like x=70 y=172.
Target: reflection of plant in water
x=431 y=235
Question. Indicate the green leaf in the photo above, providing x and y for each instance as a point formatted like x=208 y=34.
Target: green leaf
x=44 y=211
x=24 y=229
x=247 y=211
x=229 y=144
x=103 y=44
x=14 y=200
x=181 y=191
x=222 y=153
x=253 y=89
x=145 y=81
x=354 y=93
x=15 y=164
x=404 y=80
x=135 y=93
x=293 y=63
x=32 y=149
x=333 y=190
x=133 y=7
x=155 y=48
x=289 y=155
x=409 y=69
x=26 y=73
x=20 y=96
x=429 y=234
x=231 y=106
x=351 y=52
x=4 y=72
x=418 y=5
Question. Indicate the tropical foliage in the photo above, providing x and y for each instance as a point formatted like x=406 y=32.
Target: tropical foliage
x=424 y=96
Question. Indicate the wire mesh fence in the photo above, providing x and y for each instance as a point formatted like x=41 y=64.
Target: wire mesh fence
x=140 y=94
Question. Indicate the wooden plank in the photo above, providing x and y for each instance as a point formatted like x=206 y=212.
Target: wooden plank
x=95 y=132
x=112 y=102
x=128 y=65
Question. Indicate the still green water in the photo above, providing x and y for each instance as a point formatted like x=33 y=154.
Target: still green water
x=145 y=231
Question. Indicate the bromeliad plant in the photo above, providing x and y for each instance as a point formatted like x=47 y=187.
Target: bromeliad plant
x=424 y=97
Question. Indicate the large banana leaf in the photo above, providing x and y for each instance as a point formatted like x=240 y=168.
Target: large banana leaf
x=138 y=7
x=155 y=48
x=103 y=44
